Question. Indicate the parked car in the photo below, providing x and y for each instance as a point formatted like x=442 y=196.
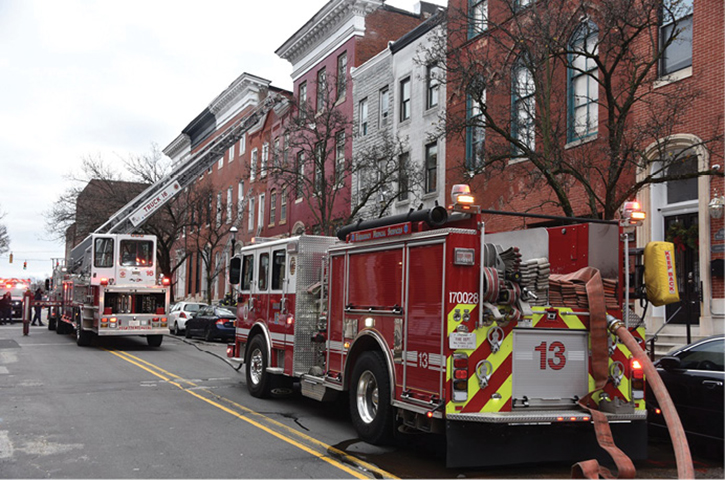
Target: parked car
x=694 y=377
x=180 y=313
x=212 y=322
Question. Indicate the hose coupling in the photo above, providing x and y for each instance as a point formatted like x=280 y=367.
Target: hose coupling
x=613 y=324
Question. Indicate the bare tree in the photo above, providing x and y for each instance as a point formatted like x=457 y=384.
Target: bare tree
x=99 y=190
x=4 y=236
x=316 y=169
x=207 y=231
x=509 y=85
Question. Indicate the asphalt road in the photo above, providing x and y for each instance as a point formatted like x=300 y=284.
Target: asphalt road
x=121 y=409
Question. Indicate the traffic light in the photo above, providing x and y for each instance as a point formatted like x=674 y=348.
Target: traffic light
x=25 y=265
x=11 y=257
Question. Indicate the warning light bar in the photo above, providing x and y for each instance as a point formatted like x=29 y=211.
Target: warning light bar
x=462 y=200
x=632 y=214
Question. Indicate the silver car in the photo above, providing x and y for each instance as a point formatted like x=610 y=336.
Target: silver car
x=180 y=313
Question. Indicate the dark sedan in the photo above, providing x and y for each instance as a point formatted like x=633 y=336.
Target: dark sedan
x=212 y=322
x=694 y=378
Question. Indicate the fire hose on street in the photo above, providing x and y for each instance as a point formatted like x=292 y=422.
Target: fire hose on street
x=685 y=468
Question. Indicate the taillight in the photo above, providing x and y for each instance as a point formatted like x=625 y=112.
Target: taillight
x=637 y=378
x=221 y=321
x=182 y=315
x=459 y=376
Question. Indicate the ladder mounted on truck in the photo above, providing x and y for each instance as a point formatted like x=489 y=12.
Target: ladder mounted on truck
x=135 y=213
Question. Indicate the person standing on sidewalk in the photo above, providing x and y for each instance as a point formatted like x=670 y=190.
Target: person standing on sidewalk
x=6 y=309
x=38 y=297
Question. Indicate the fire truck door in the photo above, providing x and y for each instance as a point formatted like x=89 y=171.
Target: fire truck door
x=423 y=359
x=260 y=287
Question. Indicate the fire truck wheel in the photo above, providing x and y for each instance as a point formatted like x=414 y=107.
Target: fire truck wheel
x=154 y=340
x=370 y=409
x=51 y=323
x=258 y=381
x=83 y=337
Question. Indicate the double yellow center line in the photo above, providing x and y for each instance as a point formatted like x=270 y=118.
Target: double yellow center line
x=354 y=466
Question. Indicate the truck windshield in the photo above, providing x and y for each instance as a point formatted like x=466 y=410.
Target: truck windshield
x=137 y=253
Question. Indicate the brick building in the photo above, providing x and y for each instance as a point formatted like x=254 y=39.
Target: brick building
x=533 y=94
x=344 y=34
x=399 y=103
x=233 y=191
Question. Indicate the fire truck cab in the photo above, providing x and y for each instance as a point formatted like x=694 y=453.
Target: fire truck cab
x=111 y=288
x=430 y=324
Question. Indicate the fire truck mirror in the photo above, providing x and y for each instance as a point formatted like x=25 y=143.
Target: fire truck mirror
x=235 y=270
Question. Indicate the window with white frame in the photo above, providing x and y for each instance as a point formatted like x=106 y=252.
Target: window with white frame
x=285 y=151
x=477 y=17
x=229 y=205
x=321 y=88
x=231 y=153
x=403 y=176
x=265 y=159
x=384 y=106
x=283 y=206
x=675 y=36
x=302 y=99
x=475 y=131
x=253 y=165
x=363 y=113
x=341 y=75
x=432 y=81
x=243 y=145
x=220 y=163
x=523 y=100
x=250 y=223
x=219 y=209
x=260 y=217
x=339 y=158
x=405 y=99
x=299 y=190
x=272 y=206
x=431 y=167
x=319 y=163
x=583 y=88
x=275 y=153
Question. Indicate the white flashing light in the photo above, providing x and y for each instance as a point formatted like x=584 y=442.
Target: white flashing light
x=462 y=199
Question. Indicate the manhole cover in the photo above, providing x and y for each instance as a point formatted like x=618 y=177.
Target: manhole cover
x=8 y=343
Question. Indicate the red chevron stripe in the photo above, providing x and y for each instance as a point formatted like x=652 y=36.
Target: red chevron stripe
x=483 y=396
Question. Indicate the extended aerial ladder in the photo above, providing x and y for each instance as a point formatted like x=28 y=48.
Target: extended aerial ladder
x=135 y=213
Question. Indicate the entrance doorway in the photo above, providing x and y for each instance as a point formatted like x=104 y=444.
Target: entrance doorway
x=682 y=230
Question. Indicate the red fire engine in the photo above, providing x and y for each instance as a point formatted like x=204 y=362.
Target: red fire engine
x=430 y=324
x=110 y=287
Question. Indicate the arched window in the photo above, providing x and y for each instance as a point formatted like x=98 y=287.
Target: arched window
x=583 y=87
x=523 y=105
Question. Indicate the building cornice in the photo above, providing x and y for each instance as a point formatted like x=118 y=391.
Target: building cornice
x=333 y=16
x=178 y=146
x=245 y=88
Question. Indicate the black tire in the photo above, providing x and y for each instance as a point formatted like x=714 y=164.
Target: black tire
x=51 y=323
x=187 y=333
x=370 y=408
x=209 y=334
x=154 y=340
x=83 y=337
x=258 y=381
x=176 y=330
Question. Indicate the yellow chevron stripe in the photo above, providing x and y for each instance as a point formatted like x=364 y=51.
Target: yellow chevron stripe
x=452 y=324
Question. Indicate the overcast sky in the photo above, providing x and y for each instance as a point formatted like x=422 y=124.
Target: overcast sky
x=108 y=79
